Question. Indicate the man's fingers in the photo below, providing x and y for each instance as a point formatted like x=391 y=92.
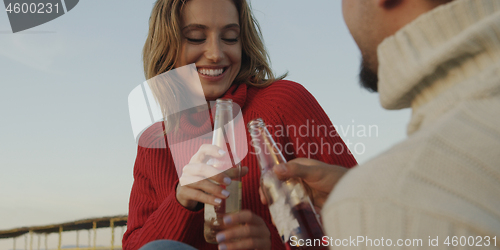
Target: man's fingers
x=319 y=178
x=295 y=168
x=307 y=169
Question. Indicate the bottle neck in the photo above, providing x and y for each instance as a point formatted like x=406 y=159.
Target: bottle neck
x=223 y=129
x=224 y=135
x=264 y=146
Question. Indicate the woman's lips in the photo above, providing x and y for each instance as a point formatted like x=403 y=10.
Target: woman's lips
x=212 y=73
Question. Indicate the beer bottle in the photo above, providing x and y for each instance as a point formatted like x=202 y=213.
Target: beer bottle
x=290 y=207
x=223 y=137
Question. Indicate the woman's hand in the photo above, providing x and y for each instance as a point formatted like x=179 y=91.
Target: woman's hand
x=244 y=230
x=201 y=182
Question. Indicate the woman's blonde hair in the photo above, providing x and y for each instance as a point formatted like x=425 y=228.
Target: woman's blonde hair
x=163 y=43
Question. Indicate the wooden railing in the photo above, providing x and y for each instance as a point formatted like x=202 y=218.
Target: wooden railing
x=91 y=225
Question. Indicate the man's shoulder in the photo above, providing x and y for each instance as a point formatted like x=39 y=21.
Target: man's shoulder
x=448 y=171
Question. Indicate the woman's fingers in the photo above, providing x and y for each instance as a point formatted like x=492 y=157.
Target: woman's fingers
x=239 y=232
x=262 y=197
x=201 y=182
x=233 y=172
x=214 y=196
x=246 y=230
x=245 y=216
x=195 y=172
x=206 y=152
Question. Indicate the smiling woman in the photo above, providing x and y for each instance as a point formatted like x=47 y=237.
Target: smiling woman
x=216 y=35
x=211 y=39
x=223 y=40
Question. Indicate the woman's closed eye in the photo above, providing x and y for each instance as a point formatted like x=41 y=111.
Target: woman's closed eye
x=201 y=40
x=195 y=40
x=230 y=40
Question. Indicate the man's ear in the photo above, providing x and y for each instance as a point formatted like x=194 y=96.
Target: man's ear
x=389 y=4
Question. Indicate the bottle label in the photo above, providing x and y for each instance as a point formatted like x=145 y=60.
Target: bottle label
x=283 y=218
x=210 y=212
x=233 y=202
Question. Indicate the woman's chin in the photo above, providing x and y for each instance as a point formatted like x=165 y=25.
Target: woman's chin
x=213 y=95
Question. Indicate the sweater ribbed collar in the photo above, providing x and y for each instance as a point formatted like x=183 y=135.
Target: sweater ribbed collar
x=440 y=58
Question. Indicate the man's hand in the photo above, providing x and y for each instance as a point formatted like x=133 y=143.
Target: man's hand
x=318 y=177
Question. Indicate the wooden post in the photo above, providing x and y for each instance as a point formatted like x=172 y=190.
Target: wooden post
x=94 y=227
x=31 y=239
x=60 y=238
x=112 y=225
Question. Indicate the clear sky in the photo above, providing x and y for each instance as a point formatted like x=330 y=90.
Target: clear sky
x=66 y=145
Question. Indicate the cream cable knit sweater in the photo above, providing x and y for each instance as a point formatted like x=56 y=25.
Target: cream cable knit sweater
x=444 y=180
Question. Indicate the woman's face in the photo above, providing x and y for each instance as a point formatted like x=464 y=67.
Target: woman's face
x=211 y=39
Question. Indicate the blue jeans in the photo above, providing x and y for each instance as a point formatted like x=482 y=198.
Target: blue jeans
x=166 y=245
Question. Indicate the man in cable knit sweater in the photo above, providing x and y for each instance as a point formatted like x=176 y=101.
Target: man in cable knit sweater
x=441 y=186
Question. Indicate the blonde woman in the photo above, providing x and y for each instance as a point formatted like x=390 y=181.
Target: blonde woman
x=223 y=40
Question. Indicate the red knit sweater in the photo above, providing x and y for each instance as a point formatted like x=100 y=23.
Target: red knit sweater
x=155 y=213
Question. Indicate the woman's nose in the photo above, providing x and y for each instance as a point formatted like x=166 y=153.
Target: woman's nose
x=214 y=51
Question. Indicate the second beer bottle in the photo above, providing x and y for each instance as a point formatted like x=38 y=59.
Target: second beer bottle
x=224 y=138
x=290 y=207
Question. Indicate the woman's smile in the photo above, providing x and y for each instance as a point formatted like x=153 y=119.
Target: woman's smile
x=211 y=40
x=213 y=73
